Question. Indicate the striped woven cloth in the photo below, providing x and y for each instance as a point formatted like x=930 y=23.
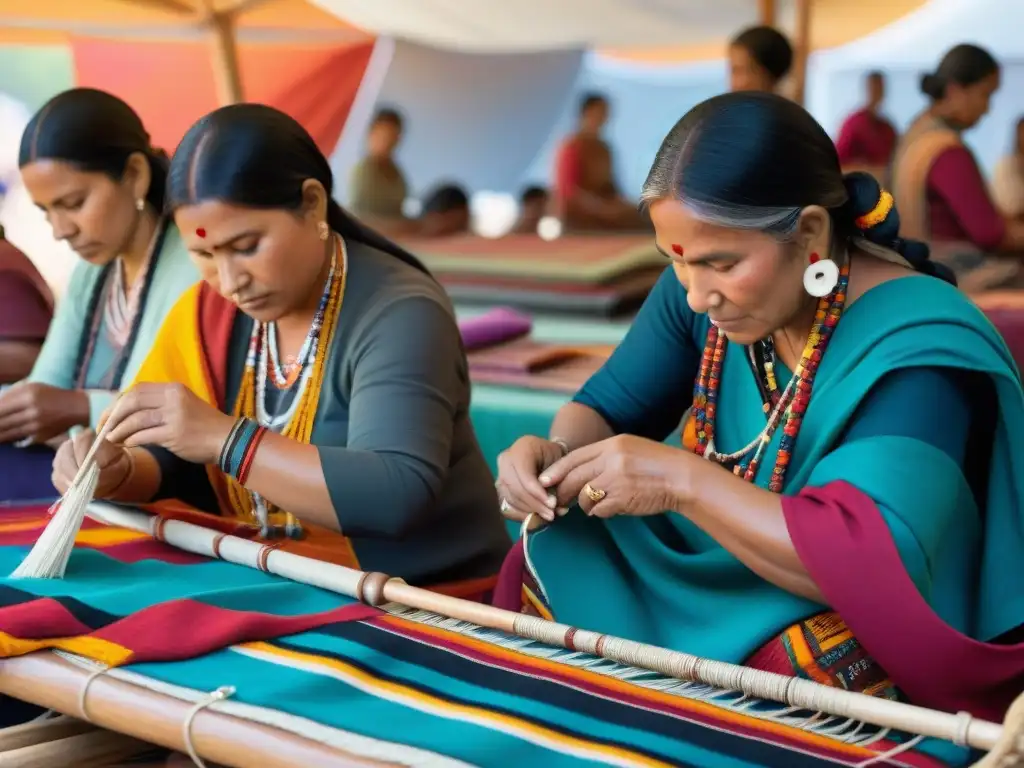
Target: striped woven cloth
x=392 y=687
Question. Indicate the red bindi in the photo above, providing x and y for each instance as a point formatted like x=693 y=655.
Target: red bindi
x=677 y=249
x=201 y=232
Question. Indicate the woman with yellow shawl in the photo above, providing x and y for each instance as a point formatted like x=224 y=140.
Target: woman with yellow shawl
x=313 y=383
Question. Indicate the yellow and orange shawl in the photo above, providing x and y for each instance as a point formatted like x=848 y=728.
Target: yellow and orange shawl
x=191 y=348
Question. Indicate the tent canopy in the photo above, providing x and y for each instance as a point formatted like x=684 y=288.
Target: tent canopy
x=673 y=29
x=272 y=21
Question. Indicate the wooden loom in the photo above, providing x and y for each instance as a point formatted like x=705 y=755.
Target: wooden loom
x=233 y=741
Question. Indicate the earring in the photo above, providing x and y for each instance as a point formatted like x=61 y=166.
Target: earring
x=140 y=204
x=821 y=276
x=323 y=230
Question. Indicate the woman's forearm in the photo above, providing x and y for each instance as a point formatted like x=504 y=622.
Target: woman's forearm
x=290 y=475
x=747 y=521
x=579 y=425
x=17 y=359
x=143 y=480
x=1013 y=241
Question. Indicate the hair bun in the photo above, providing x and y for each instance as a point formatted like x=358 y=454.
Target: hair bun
x=932 y=86
x=866 y=197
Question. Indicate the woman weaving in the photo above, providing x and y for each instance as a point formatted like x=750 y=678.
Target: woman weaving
x=844 y=507
x=87 y=162
x=940 y=190
x=339 y=392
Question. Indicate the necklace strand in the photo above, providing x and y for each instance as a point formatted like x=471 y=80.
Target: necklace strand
x=786 y=409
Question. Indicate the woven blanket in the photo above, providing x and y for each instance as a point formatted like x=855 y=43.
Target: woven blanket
x=395 y=687
x=572 y=259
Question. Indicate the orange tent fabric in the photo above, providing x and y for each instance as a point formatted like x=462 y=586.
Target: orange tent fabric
x=171 y=84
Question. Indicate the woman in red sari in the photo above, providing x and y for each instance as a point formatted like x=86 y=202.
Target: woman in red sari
x=940 y=190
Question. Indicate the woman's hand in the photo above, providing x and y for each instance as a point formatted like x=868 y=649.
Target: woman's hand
x=114 y=462
x=40 y=412
x=520 y=491
x=623 y=475
x=171 y=416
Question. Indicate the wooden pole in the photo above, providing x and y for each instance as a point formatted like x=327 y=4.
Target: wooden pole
x=224 y=53
x=802 y=49
x=766 y=12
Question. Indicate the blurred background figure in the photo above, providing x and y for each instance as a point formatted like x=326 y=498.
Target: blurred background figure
x=867 y=139
x=445 y=212
x=26 y=308
x=533 y=204
x=1008 y=180
x=377 y=187
x=586 y=196
x=759 y=58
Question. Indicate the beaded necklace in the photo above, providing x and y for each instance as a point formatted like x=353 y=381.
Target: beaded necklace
x=786 y=408
x=297 y=421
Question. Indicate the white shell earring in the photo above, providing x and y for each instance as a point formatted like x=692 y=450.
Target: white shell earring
x=821 y=276
x=323 y=230
x=140 y=204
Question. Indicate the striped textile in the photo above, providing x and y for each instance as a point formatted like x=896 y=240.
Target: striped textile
x=376 y=684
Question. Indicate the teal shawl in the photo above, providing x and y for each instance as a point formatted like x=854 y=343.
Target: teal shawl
x=662 y=580
x=172 y=274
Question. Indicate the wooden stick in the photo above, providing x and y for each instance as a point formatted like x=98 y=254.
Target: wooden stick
x=378 y=589
x=49 y=681
x=27 y=734
x=86 y=750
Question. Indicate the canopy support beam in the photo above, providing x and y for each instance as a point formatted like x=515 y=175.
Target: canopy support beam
x=224 y=52
x=802 y=49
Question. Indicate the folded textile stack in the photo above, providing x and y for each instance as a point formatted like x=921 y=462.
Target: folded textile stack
x=501 y=352
x=603 y=275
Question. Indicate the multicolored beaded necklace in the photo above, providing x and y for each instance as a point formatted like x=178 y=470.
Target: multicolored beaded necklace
x=297 y=421
x=787 y=406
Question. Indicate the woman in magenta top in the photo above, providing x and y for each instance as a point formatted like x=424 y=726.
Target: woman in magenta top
x=867 y=140
x=938 y=185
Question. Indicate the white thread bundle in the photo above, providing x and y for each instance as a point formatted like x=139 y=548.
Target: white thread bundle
x=49 y=556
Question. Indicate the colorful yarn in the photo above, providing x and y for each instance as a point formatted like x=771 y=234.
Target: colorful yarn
x=786 y=409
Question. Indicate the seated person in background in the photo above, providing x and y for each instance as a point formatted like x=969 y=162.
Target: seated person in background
x=377 y=187
x=937 y=184
x=445 y=212
x=759 y=58
x=585 y=194
x=26 y=308
x=533 y=204
x=867 y=140
x=1008 y=182
x=281 y=408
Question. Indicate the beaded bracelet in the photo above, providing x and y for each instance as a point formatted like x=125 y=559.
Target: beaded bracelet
x=239 y=449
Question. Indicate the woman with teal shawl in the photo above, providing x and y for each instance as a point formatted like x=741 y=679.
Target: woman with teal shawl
x=87 y=163
x=870 y=533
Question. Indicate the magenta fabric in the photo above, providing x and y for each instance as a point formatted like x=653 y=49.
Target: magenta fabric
x=959 y=206
x=24 y=313
x=508 y=592
x=843 y=541
x=495 y=327
x=866 y=139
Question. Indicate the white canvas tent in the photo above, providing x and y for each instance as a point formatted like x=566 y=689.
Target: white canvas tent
x=489 y=26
